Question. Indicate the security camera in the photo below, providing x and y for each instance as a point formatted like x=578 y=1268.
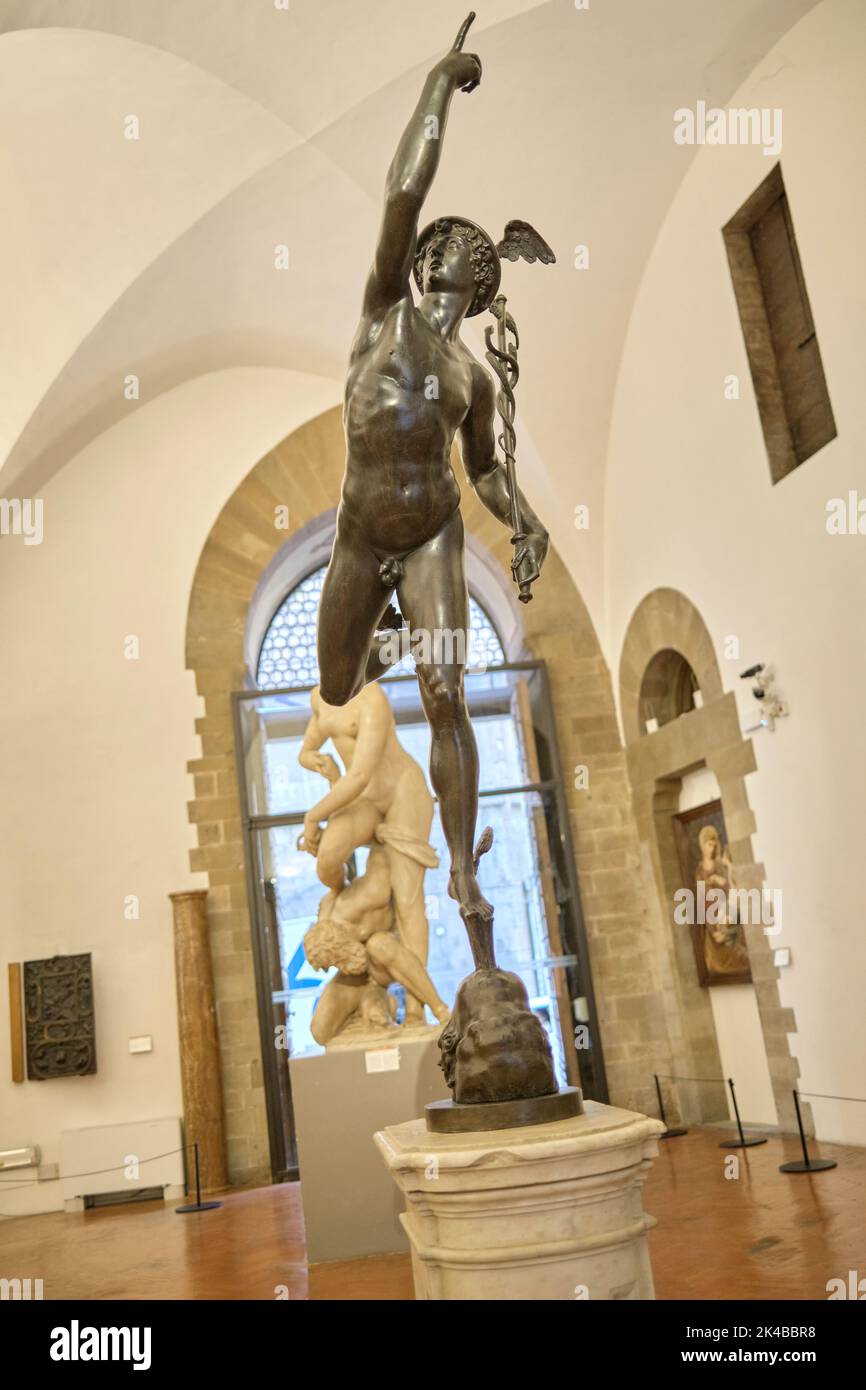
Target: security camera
x=759 y=689
x=772 y=707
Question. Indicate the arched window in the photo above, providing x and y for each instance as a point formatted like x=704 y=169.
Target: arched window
x=528 y=873
x=667 y=689
x=288 y=651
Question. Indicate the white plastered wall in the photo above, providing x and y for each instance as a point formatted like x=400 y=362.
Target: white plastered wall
x=690 y=506
x=94 y=745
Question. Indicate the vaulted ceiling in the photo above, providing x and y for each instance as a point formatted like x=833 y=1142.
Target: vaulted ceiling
x=261 y=126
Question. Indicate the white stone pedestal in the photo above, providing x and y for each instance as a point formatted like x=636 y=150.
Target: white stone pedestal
x=545 y=1212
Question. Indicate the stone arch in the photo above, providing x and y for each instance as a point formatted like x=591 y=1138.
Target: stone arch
x=664 y=620
x=667 y=621
x=303 y=473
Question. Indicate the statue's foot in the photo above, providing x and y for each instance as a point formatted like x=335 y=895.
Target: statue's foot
x=414 y=1011
x=463 y=884
x=475 y=910
x=463 y=888
x=442 y=1012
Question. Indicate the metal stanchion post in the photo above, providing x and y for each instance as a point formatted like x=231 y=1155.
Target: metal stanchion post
x=742 y=1142
x=805 y=1164
x=198 y=1204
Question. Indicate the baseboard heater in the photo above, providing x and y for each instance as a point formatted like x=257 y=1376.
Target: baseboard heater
x=132 y=1162
x=118 y=1199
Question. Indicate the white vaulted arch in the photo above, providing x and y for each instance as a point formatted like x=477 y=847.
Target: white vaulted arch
x=87 y=209
x=155 y=258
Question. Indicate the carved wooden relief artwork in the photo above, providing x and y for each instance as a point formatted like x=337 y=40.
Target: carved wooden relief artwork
x=58 y=1014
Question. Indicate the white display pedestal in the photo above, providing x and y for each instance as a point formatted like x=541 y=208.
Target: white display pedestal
x=351 y=1208
x=545 y=1212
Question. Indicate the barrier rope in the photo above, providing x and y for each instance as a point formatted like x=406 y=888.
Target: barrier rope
x=93 y=1172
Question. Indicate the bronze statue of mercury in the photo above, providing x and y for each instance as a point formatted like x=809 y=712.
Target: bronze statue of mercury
x=412 y=386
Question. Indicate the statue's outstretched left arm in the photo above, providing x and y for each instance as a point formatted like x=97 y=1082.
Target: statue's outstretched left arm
x=485 y=471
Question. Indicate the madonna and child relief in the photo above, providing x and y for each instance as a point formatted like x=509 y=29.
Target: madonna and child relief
x=711 y=900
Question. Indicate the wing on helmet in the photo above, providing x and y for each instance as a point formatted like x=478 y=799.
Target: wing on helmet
x=521 y=239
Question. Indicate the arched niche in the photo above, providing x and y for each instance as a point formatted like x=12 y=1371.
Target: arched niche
x=667 y=644
x=667 y=688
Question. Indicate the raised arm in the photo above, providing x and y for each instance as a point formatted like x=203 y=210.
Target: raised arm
x=412 y=171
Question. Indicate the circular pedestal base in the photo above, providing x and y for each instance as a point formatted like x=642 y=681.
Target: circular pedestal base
x=815 y=1165
x=447 y=1117
x=673 y=1133
x=196 y=1206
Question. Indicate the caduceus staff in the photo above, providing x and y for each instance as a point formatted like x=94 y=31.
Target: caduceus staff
x=520 y=240
x=503 y=359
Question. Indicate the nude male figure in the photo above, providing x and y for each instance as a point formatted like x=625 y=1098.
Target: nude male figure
x=399 y=524
x=382 y=796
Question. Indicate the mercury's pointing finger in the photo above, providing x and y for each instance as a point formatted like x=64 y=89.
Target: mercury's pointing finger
x=464 y=30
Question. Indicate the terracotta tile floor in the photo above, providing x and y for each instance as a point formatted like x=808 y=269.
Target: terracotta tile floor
x=765 y=1235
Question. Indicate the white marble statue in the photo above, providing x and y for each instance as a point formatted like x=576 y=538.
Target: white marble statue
x=374 y=928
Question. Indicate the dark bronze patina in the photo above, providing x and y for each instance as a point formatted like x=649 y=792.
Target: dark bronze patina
x=444 y=1117
x=412 y=386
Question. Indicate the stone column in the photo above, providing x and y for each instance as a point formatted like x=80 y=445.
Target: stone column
x=548 y=1212
x=199 y=1044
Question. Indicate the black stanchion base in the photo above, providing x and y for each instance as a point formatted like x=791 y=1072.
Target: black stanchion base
x=741 y=1143
x=196 y=1206
x=815 y=1165
x=673 y=1133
